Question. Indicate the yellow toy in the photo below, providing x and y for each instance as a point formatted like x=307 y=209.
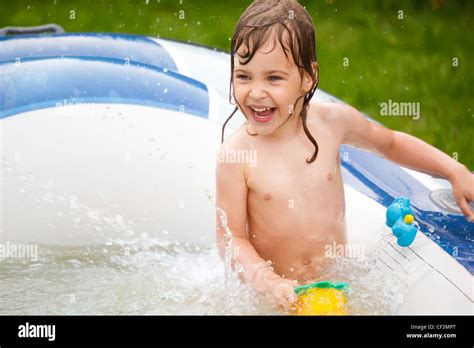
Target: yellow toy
x=322 y=298
x=408 y=219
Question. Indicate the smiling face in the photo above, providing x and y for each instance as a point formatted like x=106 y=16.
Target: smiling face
x=267 y=87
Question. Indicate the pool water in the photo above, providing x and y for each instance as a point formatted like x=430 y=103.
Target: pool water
x=159 y=277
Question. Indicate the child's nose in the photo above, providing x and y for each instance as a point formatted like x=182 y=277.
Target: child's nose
x=257 y=92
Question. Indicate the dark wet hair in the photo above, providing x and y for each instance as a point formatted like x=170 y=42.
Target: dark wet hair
x=285 y=17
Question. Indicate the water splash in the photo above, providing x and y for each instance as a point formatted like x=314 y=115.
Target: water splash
x=228 y=240
x=126 y=277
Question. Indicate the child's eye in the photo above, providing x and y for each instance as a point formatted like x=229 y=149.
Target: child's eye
x=275 y=78
x=242 y=77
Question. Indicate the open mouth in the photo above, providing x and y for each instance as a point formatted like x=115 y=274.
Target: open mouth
x=263 y=114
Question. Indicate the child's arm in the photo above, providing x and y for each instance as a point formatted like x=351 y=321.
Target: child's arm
x=231 y=197
x=409 y=152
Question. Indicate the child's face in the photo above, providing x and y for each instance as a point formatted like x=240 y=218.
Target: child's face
x=269 y=80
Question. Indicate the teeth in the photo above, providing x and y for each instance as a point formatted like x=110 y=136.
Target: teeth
x=260 y=110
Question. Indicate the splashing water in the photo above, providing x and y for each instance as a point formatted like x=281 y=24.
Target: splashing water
x=228 y=239
x=142 y=277
x=158 y=276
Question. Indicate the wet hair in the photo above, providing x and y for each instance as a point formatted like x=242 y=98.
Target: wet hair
x=295 y=32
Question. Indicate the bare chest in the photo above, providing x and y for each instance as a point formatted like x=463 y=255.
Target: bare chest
x=294 y=208
x=285 y=180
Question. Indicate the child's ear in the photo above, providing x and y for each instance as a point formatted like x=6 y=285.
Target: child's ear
x=316 y=70
x=308 y=80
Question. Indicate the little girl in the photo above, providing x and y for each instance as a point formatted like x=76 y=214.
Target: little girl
x=284 y=209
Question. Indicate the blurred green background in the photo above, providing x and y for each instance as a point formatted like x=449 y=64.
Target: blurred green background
x=404 y=51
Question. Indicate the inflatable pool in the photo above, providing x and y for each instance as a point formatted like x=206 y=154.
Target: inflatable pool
x=124 y=130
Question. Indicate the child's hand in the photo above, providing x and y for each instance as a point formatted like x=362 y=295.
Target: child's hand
x=282 y=294
x=463 y=191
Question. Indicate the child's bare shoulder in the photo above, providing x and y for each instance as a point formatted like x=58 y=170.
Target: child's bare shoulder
x=331 y=115
x=233 y=156
x=238 y=140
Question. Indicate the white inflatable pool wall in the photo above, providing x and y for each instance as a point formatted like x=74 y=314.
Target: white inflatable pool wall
x=120 y=168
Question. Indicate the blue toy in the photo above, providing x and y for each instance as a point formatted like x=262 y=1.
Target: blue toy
x=400 y=219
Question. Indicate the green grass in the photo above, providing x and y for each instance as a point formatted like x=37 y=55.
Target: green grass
x=405 y=60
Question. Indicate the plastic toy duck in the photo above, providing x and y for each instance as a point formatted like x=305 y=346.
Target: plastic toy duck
x=400 y=219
